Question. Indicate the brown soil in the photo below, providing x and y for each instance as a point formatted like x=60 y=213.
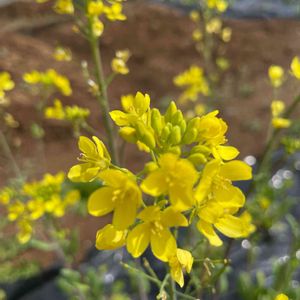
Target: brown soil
x=159 y=39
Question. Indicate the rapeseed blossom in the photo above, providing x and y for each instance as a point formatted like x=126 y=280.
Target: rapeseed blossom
x=120 y=194
x=182 y=260
x=118 y=64
x=295 y=67
x=281 y=297
x=62 y=54
x=193 y=82
x=219 y=5
x=6 y=83
x=167 y=179
x=277 y=108
x=154 y=230
x=189 y=178
x=276 y=76
x=49 y=78
x=33 y=200
x=94 y=158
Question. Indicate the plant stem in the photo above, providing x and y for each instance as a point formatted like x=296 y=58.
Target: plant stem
x=102 y=95
x=8 y=153
x=173 y=289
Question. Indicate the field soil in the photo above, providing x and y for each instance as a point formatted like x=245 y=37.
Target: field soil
x=159 y=38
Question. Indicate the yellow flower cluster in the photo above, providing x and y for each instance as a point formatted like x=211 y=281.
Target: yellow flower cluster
x=193 y=82
x=73 y=114
x=218 y=5
x=278 y=107
x=189 y=178
x=36 y=199
x=281 y=297
x=6 y=83
x=96 y=9
x=50 y=78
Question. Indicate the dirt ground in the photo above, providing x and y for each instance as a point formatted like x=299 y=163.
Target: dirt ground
x=160 y=41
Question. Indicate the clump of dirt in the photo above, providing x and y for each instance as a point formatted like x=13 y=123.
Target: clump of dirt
x=159 y=38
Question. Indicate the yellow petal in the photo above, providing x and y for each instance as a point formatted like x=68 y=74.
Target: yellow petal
x=87 y=146
x=119 y=117
x=155 y=184
x=229 y=196
x=282 y=297
x=186 y=259
x=83 y=172
x=100 y=202
x=150 y=214
x=163 y=244
x=177 y=274
x=124 y=215
x=172 y=218
x=227 y=152
x=230 y=226
x=108 y=238
x=207 y=230
x=138 y=240
x=236 y=170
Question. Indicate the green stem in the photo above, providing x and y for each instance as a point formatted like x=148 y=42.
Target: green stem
x=8 y=153
x=173 y=289
x=102 y=95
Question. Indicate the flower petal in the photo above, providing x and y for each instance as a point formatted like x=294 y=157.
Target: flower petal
x=100 y=202
x=155 y=184
x=172 y=218
x=230 y=226
x=124 y=215
x=207 y=230
x=163 y=244
x=138 y=240
x=236 y=170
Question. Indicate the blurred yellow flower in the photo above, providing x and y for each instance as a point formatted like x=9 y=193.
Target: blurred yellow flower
x=276 y=75
x=62 y=54
x=295 y=67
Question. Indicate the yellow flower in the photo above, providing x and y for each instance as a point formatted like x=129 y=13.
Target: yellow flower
x=278 y=108
x=114 y=12
x=222 y=63
x=97 y=27
x=219 y=5
x=195 y=16
x=94 y=158
x=6 y=195
x=49 y=78
x=56 y=111
x=25 y=231
x=64 y=7
x=181 y=260
x=6 y=84
x=218 y=200
x=108 y=238
x=281 y=297
x=276 y=76
x=95 y=8
x=69 y=113
x=120 y=195
x=168 y=179
x=226 y=34
x=295 y=67
x=15 y=210
x=214 y=25
x=197 y=35
x=36 y=208
x=154 y=230
x=193 y=82
x=281 y=123
x=118 y=64
x=62 y=54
